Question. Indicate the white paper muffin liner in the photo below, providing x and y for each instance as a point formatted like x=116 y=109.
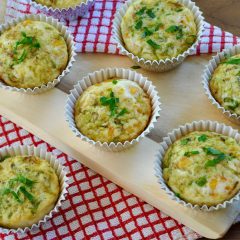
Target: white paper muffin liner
x=70 y=45
x=99 y=76
x=157 y=65
x=180 y=132
x=59 y=169
x=207 y=75
x=70 y=13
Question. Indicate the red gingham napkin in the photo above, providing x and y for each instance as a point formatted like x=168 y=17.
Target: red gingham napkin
x=92 y=33
x=95 y=208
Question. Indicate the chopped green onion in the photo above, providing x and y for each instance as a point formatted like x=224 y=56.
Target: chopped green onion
x=215 y=161
x=141 y=11
x=153 y=44
x=111 y=102
x=28 y=195
x=139 y=24
x=188 y=154
x=212 y=151
x=122 y=112
x=185 y=141
x=231 y=103
x=232 y=61
x=202 y=138
x=150 y=13
x=147 y=32
x=201 y=181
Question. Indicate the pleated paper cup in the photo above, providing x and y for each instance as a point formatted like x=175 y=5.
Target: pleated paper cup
x=157 y=65
x=207 y=76
x=102 y=75
x=69 y=14
x=70 y=46
x=179 y=133
x=59 y=169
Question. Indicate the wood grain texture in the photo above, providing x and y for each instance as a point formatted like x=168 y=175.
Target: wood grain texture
x=222 y=13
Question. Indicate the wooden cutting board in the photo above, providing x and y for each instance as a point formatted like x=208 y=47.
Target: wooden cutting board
x=183 y=100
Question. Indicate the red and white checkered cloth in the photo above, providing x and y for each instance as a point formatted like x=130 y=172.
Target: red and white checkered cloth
x=95 y=208
x=92 y=33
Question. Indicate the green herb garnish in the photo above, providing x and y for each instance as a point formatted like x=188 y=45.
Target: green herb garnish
x=215 y=161
x=14 y=194
x=139 y=24
x=112 y=102
x=175 y=29
x=201 y=181
x=231 y=103
x=153 y=44
x=212 y=151
x=25 y=41
x=24 y=180
x=232 y=61
x=21 y=58
x=122 y=112
x=28 y=195
x=185 y=141
x=150 y=13
x=202 y=138
x=114 y=82
x=141 y=11
x=147 y=32
x=188 y=154
x=135 y=67
x=179 y=10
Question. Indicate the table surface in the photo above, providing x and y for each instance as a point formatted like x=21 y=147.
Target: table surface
x=223 y=13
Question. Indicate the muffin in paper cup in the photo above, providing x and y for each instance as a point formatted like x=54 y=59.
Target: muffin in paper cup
x=70 y=48
x=106 y=74
x=59 y=170
x=207 y=76
x=69 y=14
x=157 y=65
x=179 y=133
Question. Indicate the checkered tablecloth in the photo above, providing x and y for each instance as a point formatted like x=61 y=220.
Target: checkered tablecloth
x=92 y=33
x=95 y=208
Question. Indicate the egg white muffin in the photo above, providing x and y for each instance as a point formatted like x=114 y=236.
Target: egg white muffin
x=32 y=53
x=225 y=84
x=203 y=168
x=29 y=189
x=60 y=3
x=156 y=30
x=115 y=110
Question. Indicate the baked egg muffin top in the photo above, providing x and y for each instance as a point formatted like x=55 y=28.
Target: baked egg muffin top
x=156 y=30
x=115 y=110
x=203 y=168
x=29 y=189
x=32 y=53
x=225 y=84
x=60 y=3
